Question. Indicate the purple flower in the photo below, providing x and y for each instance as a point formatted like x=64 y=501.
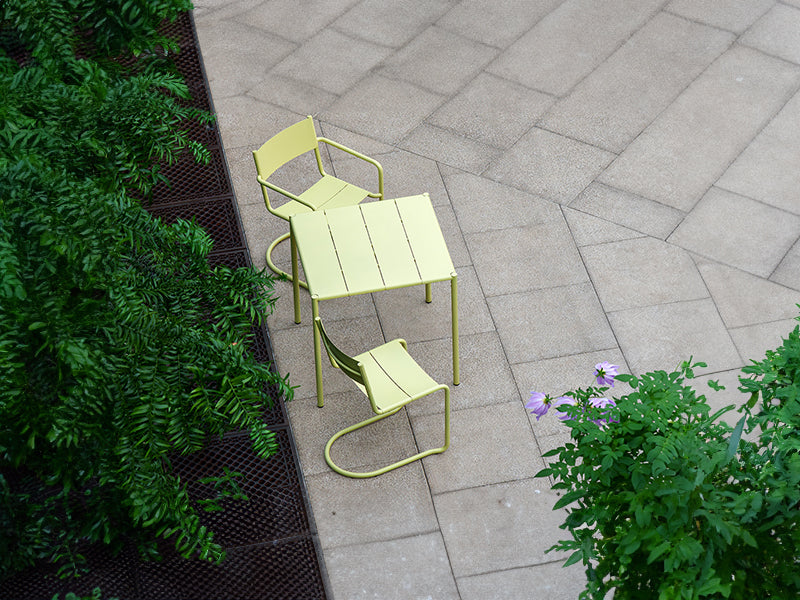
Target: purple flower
x=538 y=404
x=605 y=373
x=601 y=403
x=561 y=401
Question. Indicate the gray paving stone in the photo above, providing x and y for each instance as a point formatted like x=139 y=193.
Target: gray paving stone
x=727 y=14
x=642 y=272
x=732 y=229
x=395 y=108
x=381 y=443
x=660 y=337
x=331 y=61
x=777 y=33
x=575 y=37
x=243 y=177
x=549 y=165
x=245 y=122
x=492 y=110
x=495 y=22
x=260 y=228
x=390 y=23
x=438 y=60
x=208 y=12
x=298 y=96
x=767 y=169
x=587 y=229
x=486 y=377
x=484 y=205
x=552 y=322
x=753 y=341
x=282 y=17
x=404 y=174
x=629 y=210
x=475 y=459
x=677 y=158
x=551 y=581
x=744 y=299
x=233 y=67
x=403 y=312
x=399 y=569
x=615 y=102
x=450 y=148
x=339 y=309
x=351 y=511
x=788 y=271
x=535 y=257
x=501 y=520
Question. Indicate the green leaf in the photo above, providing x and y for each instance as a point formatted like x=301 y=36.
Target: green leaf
x=733 y=443
x=569 y=498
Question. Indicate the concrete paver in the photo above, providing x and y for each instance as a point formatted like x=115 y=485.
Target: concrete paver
x=616 y=181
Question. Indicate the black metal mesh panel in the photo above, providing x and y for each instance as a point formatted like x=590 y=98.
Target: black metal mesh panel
x=279 y=571
x=233 y=259
x=216 y=215
x=275 y=508
x=189 y=179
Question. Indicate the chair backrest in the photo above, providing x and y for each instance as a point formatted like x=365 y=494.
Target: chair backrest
x=345 y=362
x=285 y=146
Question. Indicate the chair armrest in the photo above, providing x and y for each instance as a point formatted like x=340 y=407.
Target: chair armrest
x=363 y=157
x=280 y=190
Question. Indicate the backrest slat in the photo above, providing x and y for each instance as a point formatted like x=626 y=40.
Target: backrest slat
x=345 y=362
x=285 y=146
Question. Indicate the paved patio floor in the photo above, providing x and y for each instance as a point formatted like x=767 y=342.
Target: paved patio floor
x=616 y=180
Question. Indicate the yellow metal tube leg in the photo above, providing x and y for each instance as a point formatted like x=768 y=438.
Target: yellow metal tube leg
x=295 y=280
x=317 y=350
x=454 y=308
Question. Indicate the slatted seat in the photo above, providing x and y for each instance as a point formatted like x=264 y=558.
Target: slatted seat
x=391 y=379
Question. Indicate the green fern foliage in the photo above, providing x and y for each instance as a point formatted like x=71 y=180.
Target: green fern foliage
x=120 y=345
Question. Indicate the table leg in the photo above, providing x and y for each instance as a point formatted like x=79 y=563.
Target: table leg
x=295 y=280
x=428 y=293
x=317 y=350
x=454 y=319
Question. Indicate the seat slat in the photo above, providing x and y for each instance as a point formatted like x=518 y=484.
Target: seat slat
x=386 y=394
x=330 y=192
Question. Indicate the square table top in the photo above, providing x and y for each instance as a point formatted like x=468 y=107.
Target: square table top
x=371 y=247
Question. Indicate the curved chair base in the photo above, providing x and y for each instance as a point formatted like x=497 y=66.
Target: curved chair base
x=276 y=269
x=387 y=468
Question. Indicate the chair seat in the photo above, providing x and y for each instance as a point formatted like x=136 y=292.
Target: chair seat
x=328 y=192
x=407 y=379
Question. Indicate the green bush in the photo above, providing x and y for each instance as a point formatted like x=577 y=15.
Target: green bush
x=664 y=501
x=121 y=346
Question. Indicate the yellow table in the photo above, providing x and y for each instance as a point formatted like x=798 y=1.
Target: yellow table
x=368 y=248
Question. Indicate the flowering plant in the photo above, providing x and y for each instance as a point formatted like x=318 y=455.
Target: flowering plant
x=589 y=399
x=665 y=501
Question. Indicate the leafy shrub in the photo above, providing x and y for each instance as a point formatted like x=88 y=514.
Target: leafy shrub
x=121 y=346
x=665 y=501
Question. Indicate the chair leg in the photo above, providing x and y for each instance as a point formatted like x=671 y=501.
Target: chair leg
x=275 y=269
x=397 y=464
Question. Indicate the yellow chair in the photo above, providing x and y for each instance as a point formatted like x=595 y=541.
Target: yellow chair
x=390 y=378
x=327 y=192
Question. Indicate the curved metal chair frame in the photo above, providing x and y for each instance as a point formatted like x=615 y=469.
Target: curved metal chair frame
x=390 y=379
x=327 y=192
